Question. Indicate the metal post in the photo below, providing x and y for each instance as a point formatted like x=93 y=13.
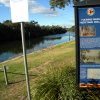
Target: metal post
x=77 y=44
x=25 y=61
x=5 y=74
x=69 y=36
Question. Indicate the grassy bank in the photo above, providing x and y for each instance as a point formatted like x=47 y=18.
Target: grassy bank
x=52 y=76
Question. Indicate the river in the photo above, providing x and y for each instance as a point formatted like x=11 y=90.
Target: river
x=14 y=49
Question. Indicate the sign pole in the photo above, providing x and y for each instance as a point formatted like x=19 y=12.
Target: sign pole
x=25 y=61
x=77 y=44
x=69 y=36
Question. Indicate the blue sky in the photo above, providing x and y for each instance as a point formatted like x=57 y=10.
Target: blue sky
x=39 y=10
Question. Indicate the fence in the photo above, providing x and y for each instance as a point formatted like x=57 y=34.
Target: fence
x=4 y=69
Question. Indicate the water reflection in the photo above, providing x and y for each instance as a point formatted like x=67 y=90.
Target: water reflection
x=14 y=49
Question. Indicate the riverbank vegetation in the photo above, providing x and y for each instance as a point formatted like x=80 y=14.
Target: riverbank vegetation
x=52 y=76
x=71 y=29
x=11 y=32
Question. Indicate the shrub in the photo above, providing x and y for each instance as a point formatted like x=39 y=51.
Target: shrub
x=59 y=84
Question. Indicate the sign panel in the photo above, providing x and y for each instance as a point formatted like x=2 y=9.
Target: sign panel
x=19 y=10
x=89 y=47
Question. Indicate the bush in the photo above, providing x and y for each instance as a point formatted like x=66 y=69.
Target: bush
x=59 y=84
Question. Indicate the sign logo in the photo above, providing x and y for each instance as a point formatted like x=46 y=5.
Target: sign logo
x=90 y=11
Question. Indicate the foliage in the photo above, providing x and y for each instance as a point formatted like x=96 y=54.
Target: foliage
x=11 y=32
x=59 y=84
x=55 y=85
x=60 y=3
x=71 y=29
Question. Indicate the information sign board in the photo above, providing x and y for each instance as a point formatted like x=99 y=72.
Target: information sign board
x=89 y=46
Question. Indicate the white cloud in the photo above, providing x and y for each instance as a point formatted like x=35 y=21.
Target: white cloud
x=34 y=7
x=39 y=9
x=5 y=2
x=43 y=10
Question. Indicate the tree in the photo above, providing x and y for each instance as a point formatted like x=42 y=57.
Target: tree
x=34 y=22
x=60 y=3
x=7 y=22
x=71 y=29
x=11 y=32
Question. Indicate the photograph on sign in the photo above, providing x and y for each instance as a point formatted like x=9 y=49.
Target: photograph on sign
x=90 y=56
x=19 y=10
x=93 y=73
x=87 y=31
x=89 y=48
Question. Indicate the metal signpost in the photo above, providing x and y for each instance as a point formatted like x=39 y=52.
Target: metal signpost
x=25 y=61
x=87 y=20
x=19 y=13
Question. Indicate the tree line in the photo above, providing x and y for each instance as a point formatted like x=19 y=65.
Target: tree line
x=11 y=32
x=71 y=29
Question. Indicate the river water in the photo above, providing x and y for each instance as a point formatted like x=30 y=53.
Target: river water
x=14 y=49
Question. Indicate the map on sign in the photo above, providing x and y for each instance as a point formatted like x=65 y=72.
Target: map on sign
x=89 y=39
x=19 y=10
x=93 y=73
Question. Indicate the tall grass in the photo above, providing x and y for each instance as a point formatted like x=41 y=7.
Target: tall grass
x=59 y=84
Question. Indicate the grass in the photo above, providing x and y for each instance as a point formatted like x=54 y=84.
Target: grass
x=52 y=77
x=55 y=85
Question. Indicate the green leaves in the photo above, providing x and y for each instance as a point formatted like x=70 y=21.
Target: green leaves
x=59 y=3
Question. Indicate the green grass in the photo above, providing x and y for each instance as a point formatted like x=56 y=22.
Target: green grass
x=54 y=76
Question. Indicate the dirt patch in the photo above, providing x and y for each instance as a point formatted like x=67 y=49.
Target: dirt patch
x=14 y=90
